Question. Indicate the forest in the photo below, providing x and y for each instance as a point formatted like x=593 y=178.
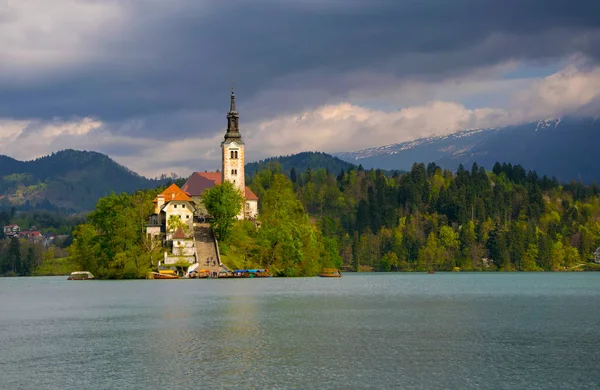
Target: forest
x=508 y=219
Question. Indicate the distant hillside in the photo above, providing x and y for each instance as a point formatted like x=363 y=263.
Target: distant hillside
x=70 y=180
x=565 y=148
x=302 y=161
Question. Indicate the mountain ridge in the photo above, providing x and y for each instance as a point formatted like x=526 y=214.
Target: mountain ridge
x=560 y=147
x=68 y=180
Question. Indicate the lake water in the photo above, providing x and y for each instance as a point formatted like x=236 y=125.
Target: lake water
x=411 y=331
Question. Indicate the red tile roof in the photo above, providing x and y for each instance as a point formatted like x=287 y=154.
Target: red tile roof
x=179 y=234
x=250 y=195
x=200 y=181
x=173 y=193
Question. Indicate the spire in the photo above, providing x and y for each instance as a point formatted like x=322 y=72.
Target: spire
x=232 y=104
x=233 y=130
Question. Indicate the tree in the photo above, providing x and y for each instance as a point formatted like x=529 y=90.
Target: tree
x=176 y=222
x=14 y=255
x=224 y=203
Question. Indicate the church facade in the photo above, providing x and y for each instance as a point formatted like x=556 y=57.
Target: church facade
x=186 y=202
x=232 y=169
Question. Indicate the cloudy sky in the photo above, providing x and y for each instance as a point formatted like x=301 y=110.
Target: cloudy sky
x=147 y=81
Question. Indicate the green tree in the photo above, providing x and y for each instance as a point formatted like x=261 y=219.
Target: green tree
x=430 y=254
x=224 y=203
x=14 y=256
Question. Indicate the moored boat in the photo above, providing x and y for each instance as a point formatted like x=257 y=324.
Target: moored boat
x=80 y=275
x=161 y=275
x=252 y=273
x=330 y=273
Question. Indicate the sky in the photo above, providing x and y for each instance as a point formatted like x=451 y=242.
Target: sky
x=148 y=81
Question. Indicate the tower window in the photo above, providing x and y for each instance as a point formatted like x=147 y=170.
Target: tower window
x=234 y=171
x=236 y=154
x=232 y=154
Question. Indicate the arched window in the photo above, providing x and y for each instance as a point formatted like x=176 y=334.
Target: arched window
x=236 y=154
x=232 y=154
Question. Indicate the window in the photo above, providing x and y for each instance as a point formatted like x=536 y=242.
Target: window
x=248 y=205
x=232 y=154
x=234 y=171
x=236 y=154
x=187 y=217
x=183 y=206
x=174 y=206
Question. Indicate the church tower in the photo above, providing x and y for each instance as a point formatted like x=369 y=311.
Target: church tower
x=233 y=150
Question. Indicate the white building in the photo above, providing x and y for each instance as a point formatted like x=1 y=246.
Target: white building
x=232 y=169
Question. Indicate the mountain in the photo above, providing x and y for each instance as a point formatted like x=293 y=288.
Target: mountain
x=302 y=161
x=564 y=147
x=70 y=180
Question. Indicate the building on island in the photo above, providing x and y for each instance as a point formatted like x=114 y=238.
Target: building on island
x=171 y=203
x=185 y=203
x=232 y=169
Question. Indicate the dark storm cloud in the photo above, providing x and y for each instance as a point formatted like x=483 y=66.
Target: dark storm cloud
x=185 y=59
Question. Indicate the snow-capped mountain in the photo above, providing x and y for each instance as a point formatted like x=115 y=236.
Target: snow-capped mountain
x=561 y=147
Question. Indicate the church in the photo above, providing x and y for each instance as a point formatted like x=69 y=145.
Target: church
x=186 y=202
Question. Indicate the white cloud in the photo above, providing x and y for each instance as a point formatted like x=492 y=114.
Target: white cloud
x=345 y=126
x=565 y=92
x=332 y=128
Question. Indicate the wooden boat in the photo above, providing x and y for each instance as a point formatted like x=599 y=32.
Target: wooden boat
x=158 y=275
x=203 y=274
x=225 y=274
x=330 y=273
x=80 y=275
x=162 y=275
x=252 y=273
x=262 y=273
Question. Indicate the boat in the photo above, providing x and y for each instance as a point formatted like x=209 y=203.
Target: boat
x=330 y=273
x=252 y=273
x=80 y=275
x=161 y=275
x=223 y=274
x=262 y=273
x=431 y=271
x=203 y=274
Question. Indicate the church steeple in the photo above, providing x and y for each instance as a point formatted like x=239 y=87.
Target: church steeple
x=233 y=152
x=233 y=129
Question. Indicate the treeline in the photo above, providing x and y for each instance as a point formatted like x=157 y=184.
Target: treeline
x=112 y=243
x=432 y=219
x=19 y=257
x=284 y=240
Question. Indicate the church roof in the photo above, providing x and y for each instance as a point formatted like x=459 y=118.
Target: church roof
x=200 y=181
x=250 y=195
x=179 y=234
x=173 y=193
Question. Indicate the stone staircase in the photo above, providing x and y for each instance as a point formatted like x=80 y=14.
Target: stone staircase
x=205 y=248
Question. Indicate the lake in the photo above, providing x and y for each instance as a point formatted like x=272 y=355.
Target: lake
x=405 y=331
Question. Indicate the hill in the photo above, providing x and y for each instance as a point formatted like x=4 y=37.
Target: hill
x=564 y=148
x=300 y=162
x=69 y=180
